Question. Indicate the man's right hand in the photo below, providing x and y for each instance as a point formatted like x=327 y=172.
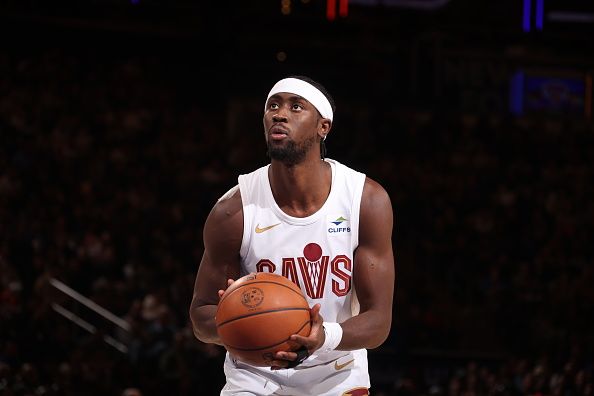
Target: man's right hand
x=229 y=283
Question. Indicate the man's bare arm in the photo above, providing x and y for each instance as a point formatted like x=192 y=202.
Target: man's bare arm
x=374 y=272
x=222 y=236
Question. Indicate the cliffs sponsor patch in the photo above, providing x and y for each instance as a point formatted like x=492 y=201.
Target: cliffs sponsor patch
x=338 y=225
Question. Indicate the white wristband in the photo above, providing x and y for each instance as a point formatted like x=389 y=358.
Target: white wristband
x=333 y=333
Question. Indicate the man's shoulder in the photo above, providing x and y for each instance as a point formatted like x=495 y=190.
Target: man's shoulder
x=373 y=185
x=374 y=193
x=228 y=205
x=229 y=195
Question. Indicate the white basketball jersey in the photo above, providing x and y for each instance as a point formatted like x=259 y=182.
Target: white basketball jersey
x=315 y=252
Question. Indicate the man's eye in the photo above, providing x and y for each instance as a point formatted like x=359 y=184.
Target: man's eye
x=273 y=106
x=297 y=106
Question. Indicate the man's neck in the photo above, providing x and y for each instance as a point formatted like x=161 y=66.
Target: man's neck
x=300 y=190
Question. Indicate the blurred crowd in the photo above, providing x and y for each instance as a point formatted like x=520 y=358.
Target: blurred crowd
x=109 y=166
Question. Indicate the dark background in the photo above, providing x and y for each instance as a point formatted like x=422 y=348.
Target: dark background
x=122 y=122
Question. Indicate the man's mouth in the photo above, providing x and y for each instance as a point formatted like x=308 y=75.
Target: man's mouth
x=277 y=132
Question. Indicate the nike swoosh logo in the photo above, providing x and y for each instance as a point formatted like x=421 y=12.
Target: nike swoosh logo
x=341 y=366
x=261 y=230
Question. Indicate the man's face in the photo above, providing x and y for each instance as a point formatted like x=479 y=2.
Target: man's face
x=291 y=127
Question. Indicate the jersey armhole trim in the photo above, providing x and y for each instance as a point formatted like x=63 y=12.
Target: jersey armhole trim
x=247 y=217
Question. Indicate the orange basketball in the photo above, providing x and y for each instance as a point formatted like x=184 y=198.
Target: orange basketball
x=257 y=315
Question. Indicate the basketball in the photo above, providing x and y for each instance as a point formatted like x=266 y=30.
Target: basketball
x=258 y=313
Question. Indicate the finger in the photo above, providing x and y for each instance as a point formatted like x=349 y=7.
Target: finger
x=310 y=343
x=300 y=355
x=305 y=341
x=316 y=309
x=278 y=365
x=289 y=359
x=316 y=320
x=282 y=356
x=315 y=314
x=229 y=283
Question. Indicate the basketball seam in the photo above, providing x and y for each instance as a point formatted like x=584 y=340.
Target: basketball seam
x=299 y=293
x=260 y=313
x=268 y=346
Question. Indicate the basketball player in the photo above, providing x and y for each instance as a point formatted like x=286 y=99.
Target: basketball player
x=321 y=224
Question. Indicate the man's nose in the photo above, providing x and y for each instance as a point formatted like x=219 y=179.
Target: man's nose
x=279 y=118
x=280 y=115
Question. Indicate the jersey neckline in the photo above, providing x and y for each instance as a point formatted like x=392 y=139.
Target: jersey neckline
x=301 y=220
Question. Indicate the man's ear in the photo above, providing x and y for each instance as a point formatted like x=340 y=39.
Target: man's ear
x=324 y=127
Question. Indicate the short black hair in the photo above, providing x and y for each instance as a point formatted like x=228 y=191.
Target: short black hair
x=320 y=87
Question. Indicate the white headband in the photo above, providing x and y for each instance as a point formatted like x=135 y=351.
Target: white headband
x=307 y=92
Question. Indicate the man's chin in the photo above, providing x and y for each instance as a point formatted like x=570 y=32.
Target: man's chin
x=287 y=157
